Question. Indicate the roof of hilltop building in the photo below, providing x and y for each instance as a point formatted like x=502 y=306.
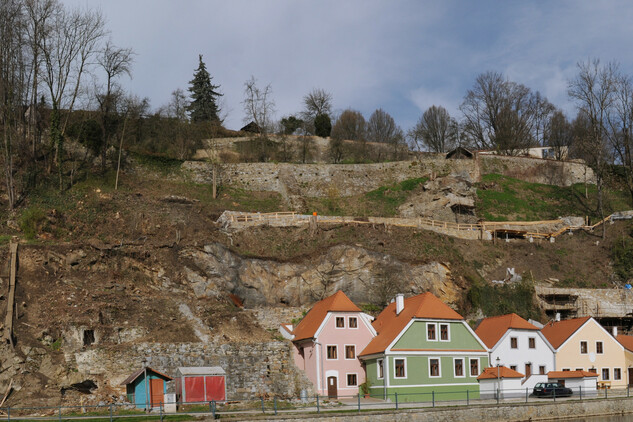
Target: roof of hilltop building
x=557 y=332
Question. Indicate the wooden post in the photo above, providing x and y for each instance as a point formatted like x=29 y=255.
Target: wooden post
x=214 y=183
x=8 y=323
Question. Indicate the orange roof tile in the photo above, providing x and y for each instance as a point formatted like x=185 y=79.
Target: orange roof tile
x=556 y=332
x=626 y=341
x=491 y=329
x=491 y=373
x=308 y=326
x=388 y=325
x=570 y=374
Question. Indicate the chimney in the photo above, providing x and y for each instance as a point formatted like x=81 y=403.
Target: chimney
x=399 y=303
x=557 y=317
x=615 y=331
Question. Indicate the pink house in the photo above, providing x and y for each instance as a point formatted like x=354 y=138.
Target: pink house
x=327 y=343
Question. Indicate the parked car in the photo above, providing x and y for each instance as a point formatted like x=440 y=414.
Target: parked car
x=551 y=389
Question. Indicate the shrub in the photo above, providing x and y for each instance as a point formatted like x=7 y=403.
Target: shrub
x=30 y=221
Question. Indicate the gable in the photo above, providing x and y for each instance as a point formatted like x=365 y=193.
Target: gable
x=313 y=320
x=591 y=332
x=415 y=336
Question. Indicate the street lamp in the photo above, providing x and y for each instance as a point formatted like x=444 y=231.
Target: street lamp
x=498 y=382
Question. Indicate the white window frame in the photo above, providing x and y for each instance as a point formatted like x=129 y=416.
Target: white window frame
x=608 y=373
x=544 y=369
x=350 y=325
x=439 y=367
x=347 y=380
x=478 y=367
x=533 y=340
x=336 y=320
x=326 y=353
x=345 y=351
x=517 y=342
x=620 y=377
x=405 y=368
x=379 y=364
x=566 y=369
x=602 y=345
x=437 y=334
x=448 y=331
x=463 y=375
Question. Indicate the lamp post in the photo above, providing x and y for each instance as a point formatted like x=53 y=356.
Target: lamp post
x=498 y=382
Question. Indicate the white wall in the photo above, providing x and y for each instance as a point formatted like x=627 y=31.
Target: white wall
x=540 y=355
x=509 y=387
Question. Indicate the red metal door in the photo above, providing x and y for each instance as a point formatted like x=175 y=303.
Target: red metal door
x=194 y=389
x=156 y=388
x=215 y=388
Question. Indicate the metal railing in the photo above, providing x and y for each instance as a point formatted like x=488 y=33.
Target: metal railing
x=375 y=401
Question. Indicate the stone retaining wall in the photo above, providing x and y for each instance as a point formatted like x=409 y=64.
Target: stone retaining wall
x=252 y=369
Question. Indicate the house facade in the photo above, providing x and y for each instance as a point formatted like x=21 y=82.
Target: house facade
x=500 y=380
x=627 y=343
x=518 y=345
x=582 y=344
x=327 y=343
x=423 y=349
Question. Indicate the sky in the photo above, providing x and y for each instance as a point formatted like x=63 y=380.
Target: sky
x=398 y=55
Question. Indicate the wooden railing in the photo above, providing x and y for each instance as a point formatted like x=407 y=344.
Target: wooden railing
x=262 y=216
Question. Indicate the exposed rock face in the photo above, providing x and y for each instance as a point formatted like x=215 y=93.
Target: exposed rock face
x=450 y=198
x=365 y=276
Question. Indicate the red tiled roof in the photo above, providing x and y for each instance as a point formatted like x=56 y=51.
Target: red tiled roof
x=557 y=332
x=136 y=374
x=491 y=373
x=388 y=325
x=308 y=326
x=626 y=341
x=491 y=329
x=570 y=374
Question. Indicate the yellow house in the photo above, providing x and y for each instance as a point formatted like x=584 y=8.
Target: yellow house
x=581 y=344
x=627 y=342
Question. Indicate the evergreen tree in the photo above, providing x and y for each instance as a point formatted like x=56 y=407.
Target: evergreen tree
x=203 y=95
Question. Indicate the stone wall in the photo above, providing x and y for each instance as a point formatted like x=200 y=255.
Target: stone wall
x=252 y=369
x=322 y=180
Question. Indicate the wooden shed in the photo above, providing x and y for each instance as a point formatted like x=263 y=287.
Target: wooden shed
x=144 y=394
x=200 y=384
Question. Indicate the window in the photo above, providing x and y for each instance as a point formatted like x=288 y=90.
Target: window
x=579 y=369
x=566 y=369
x=400 y=371
x=583 y=347
x=593 y=370
x=340 y=322
x=541 y=370
x=513 y=367
x=459 y=367
x=381 y=373
x=599 y=347
x=434 y=367
x=444 y=332
x=605 y=374
x=331 y=352
x=430 y=332
x=617 y=374
x=474 y=367
x=352 y=380
x=353 y=322
x=350 y=352
x=532 y=343
x=514 y=343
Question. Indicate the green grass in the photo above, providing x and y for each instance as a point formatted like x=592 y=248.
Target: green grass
x=503 y=198
x=160 y=164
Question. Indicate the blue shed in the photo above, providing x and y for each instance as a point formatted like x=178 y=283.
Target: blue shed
x=146 y=394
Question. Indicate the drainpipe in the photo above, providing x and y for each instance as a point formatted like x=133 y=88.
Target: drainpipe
x=322 y=369
x=146 y=385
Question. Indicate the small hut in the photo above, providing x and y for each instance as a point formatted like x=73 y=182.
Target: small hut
x=143 y=394
x=460 y=153
x=252 y=127
x=507 y=381
x=200 y=384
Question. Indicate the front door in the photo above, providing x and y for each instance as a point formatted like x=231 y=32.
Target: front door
x=630 y=376
x=528 y=370
x=331 y=388
x=156 y=389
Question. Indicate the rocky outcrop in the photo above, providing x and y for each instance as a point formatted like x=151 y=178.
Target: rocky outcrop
x=365 y=276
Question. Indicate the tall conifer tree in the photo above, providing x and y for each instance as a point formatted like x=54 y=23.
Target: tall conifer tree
x=203 y=95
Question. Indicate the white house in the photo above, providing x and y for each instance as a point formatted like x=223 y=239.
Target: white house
x=519 y=345
x=581 y=382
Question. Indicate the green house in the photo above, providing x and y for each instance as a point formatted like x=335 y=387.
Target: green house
x=424 y=352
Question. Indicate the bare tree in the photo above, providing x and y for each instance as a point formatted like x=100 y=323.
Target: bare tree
x=382 y=128
x=259 y=107
x=558 y=134
x=316 y=102
x=620 y=128
x=594 y=90
x=114 y=62
x=436 y=129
